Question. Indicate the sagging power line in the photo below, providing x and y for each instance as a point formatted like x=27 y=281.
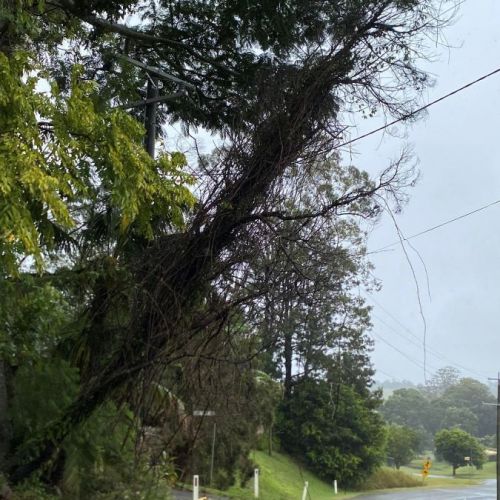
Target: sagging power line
x=411 y=359
x=437 y=226
x=417 y=341
x=418 y=110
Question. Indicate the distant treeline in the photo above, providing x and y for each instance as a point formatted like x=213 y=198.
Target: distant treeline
x=446 y=401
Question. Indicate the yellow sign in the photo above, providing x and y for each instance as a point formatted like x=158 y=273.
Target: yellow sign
x=426 y=468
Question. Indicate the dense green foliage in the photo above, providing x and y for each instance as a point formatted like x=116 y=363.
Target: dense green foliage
x=457 y=402
x=85 y=155
x=136 y=295
x=402 y=444
x=334 y=430
x=454 y=445
x=469 y=394
x=407 y=407
x=447 y=413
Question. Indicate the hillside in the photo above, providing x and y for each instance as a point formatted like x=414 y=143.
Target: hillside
x=283 y=479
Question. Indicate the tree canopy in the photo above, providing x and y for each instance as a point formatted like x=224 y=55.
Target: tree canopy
x=333 y=430
x=454 y=445
x=407 y=407
x=402 y=444
x=458 y=402
x=152 y=274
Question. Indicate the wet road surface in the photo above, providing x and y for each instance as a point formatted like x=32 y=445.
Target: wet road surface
x=486 y=490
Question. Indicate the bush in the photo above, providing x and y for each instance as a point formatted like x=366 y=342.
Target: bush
x=98 y=458
x=384 y=478
x=32 y=489
x=339 y=439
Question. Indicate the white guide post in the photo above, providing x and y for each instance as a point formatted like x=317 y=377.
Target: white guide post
x=196 y=487
x=256 y=483
x=335 y=486
x=304 y=493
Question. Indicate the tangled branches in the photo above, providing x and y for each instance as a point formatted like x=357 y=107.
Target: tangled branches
x=288 y=125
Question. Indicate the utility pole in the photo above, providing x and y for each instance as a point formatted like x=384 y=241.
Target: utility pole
x=150 y=116
x=153 y=98
x=498 y=437
x=498 y=431
x=209 y=413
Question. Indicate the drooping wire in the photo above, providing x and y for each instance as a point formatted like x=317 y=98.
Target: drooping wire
x=433 y=352
x=418 y=110
x=438 y=226
x=411 y=359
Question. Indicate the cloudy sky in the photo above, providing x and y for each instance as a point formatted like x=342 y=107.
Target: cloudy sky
x=458 y=149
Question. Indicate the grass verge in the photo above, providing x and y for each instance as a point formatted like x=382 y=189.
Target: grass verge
x=464 y=475
x=386 y=478
x=281 y=478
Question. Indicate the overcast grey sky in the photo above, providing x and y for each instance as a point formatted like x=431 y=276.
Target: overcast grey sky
x=458 y=148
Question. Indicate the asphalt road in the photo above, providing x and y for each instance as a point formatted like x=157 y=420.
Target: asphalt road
x=484 y=491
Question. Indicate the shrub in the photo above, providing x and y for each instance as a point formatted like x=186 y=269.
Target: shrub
x=384 y=478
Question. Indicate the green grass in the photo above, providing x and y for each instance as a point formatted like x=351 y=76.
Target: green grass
x=283 y=479
x=464 y=475
x=386 y=478
x=444 y=469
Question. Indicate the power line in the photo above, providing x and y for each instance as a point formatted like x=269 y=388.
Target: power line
x=418 y=110
x=417 y=341
x=430 y=351
x=404 y=354
x=433 y=228
x=407 y=356
x=378 y=370
x=438 y=226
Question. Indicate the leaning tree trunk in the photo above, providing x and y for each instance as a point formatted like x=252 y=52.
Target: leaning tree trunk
x=293 y=128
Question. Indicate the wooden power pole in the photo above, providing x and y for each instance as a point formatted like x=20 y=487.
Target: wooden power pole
x=498 y=437
x=498 y=432
x=153 y=98
x=150 y=116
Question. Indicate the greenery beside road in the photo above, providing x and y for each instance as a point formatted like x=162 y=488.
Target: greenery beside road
x=447 y=400
x=459 y=448
x=282 y=478
x=448 y=415
x=140 y=294
x=444 y=469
